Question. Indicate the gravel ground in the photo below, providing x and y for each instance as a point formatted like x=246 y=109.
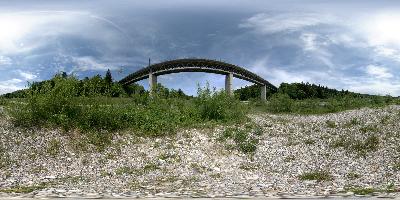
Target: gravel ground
x=193 y=163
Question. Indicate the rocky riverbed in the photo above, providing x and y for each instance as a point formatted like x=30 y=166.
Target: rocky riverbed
x=346 y=153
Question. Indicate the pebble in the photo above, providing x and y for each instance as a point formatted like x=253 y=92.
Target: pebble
x=195 y=164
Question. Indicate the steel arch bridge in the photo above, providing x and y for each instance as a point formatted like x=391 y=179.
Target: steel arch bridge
x=198 y=65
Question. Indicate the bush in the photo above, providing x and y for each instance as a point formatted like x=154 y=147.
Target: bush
x=58 y=103
x=218 y=105
x=280 y=103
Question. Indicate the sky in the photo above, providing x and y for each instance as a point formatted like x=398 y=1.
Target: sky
x=344 y=44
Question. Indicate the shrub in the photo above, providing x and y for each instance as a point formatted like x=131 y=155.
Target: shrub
x=280 y=103
x=218 y=105
x=57 y=103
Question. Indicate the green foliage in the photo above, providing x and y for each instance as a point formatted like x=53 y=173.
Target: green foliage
x=358 y=190
x=359 y=146
x=317 y=175
x=280 y=103
x=62 y=102
x=108 y=78
x=250 y=92
x=5 y=159
x=53 y=147
x=246 y=140
x=396 y=166
x=218 y=106
x=305 y=98
x=25 y=189
x=331 y=124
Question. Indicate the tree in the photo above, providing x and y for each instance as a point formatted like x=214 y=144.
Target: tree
x=108 y=77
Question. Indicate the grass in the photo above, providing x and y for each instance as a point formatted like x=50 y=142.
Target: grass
x=5 y=159
x=24 y=189
x=53 y=147
x=316 y=175
x=359 y=146
x=282 y=103
x=369 y=128
x=98 y=118
x=137 y=171
x=396 y=167
x=353 y=122
x=330 y=124
x=309 y=141
x=390 y=188
x=353 y=175
x=245 y=139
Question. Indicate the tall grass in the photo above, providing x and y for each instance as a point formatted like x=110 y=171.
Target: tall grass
x=282 y=103
x=58 y=105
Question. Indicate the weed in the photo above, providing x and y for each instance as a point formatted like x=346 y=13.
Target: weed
x=358 y=146
x=248 y=166
x=198 y=168
x=245 y=139
x=317 y=175
x=331 y=124
x=396 y=166
x=309 y=141
x=24 y=189
x=369 y=128
x=53 y=148
x=353 y=175
x=128 y=170
x=289 y=158
x=5 y=159
x=353 y=122
x=150 y=167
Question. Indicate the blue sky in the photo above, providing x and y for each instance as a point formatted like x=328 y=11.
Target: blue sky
x=343 y=44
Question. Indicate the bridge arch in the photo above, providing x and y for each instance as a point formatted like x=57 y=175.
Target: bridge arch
x=198 y=65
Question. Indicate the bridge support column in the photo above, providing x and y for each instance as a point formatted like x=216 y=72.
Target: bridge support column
x=152 y=83
x=263 y=93
x=228 y=83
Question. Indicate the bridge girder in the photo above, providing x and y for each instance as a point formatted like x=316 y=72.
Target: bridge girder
x=196 y=65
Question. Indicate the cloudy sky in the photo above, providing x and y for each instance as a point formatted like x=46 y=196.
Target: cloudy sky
x=342 y=44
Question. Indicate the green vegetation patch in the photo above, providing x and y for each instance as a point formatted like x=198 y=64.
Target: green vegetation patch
x=24 y=189
x=60 y=103
x=316 y=175
x=358 y=190
x=359 y=146
x=245 y=139
x=304 y=98
x=53 y=147
x=5 y=159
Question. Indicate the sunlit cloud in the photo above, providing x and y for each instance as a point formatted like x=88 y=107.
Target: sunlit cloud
x=268 y=23
x=378 y=72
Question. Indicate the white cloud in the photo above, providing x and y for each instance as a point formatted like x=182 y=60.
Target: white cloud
x=4 y=60
x=309 y=40
x=275 y=75
x=87 y=63
x=390 y=53
x=378 y=72
x=10 y=85
x=382 y=28
x=269 y=23
x=27 y=75
x=376 y=87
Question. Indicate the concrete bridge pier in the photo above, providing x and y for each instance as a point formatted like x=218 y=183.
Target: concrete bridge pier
x=228 y=83
x=152 y=83
x=263 y=93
